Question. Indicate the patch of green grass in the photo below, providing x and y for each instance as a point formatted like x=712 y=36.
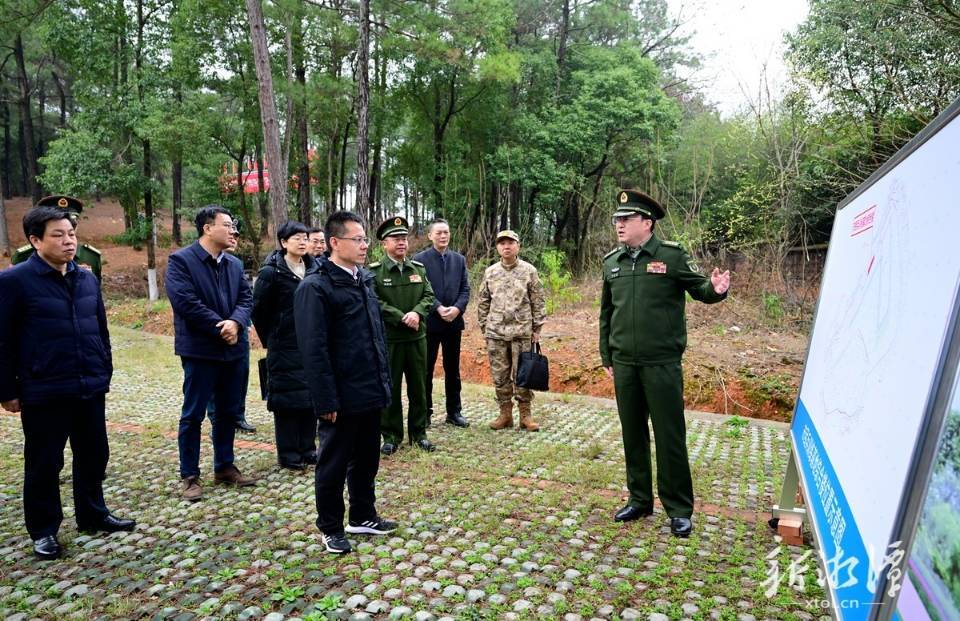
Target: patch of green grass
x=287 y=594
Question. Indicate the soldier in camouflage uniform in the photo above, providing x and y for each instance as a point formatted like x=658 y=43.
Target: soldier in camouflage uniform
x=406 y=298
x=87 y=256
x=512 y=311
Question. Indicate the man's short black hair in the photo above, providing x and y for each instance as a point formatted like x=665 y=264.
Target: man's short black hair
x=314 y=229
x=436 y=221
x=336 y=225
x=35 y=220
x=290 y=228
x=208 y=215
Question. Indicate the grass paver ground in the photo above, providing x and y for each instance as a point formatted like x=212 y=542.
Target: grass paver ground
x=494 y=525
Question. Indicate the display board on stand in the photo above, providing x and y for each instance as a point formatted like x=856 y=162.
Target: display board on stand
x=879 y=346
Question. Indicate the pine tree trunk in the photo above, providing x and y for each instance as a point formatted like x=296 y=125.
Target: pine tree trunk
x=343 y=166
x=268 y=113
x=176 y=176
x=4 y=234
x=23 y=103
x=5 y=172
x=363 y=111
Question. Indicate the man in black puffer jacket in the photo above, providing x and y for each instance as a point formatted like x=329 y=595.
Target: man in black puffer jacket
x=55 y=369
x=341 y=337
x=288 y=398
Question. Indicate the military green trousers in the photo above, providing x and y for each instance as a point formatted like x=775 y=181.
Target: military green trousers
x=407 y=360
x=654 y=392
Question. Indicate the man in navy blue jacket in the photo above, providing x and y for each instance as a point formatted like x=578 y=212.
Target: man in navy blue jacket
x=447 y=273
x=55 y=368
x=341 y=339
x=211 y=303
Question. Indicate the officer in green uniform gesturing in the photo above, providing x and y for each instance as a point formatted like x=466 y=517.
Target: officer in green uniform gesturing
x=643 y=334
x=87 y=256
x=406 y=299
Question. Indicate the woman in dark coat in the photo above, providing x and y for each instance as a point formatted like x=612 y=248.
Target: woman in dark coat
x=287 y=394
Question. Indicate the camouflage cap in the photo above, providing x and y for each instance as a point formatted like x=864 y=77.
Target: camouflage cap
x=631 y=202
x=508 y=234
x=67 y=203
x=397 y=225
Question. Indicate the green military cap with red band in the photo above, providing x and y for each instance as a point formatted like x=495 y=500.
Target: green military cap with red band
x=633 y=202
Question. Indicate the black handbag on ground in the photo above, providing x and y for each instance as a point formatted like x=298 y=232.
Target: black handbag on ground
x=264 y=377
x=533 y=370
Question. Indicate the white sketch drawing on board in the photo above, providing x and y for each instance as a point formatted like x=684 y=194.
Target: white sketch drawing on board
x=863 y=336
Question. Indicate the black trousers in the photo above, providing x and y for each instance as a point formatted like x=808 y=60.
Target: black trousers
x=295 y=431
x=46 y=428
x=348 y=451
x=450 y=342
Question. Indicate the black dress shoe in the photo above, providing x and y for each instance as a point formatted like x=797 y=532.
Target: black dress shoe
x=47 y=548
x=109 y=524
x=457 y=420
x=388 y=448
x=244 y=426
x=425 y=445
x=295 y=467
x=681 y=527
x=630 y=513
x=310 y=458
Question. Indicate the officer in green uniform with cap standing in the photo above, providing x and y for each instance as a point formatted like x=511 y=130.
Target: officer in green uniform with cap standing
x=643 y=334
x=87 y=256
x=406 y=299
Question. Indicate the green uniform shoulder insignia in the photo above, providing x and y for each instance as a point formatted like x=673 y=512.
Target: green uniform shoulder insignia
x=374 y=264
x=89 y=247
x=612 y=252
x=417 y=263
x=24 y=248
x=672 y=244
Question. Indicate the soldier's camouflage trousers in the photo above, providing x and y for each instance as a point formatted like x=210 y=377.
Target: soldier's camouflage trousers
x=503 y=356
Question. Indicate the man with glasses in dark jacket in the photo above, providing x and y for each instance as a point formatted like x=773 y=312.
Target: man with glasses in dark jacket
x=341 y=338
x=211 y=303
x=55 y=369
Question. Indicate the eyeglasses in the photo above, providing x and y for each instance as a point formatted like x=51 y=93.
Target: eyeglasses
x=357 y=240
x=625 y=219
x=297 y=238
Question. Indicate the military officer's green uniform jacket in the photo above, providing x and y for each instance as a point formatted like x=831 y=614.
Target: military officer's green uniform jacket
x=403 y=287
x=87 y=257
x=643 y=334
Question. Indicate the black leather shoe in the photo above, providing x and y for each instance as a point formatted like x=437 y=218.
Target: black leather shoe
x=457 y=420
x=681 y=527
x=310 y=458
x=294 y=467
x=630 y=513
x=244 y=426
x=109 y=524
x=47 y=548
x=388 y=448
x=425 y=445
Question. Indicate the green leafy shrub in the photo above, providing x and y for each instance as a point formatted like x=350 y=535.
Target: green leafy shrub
x=773 y=307
x=556 y=280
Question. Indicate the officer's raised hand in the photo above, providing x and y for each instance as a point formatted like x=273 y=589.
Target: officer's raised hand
x=720 y=281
